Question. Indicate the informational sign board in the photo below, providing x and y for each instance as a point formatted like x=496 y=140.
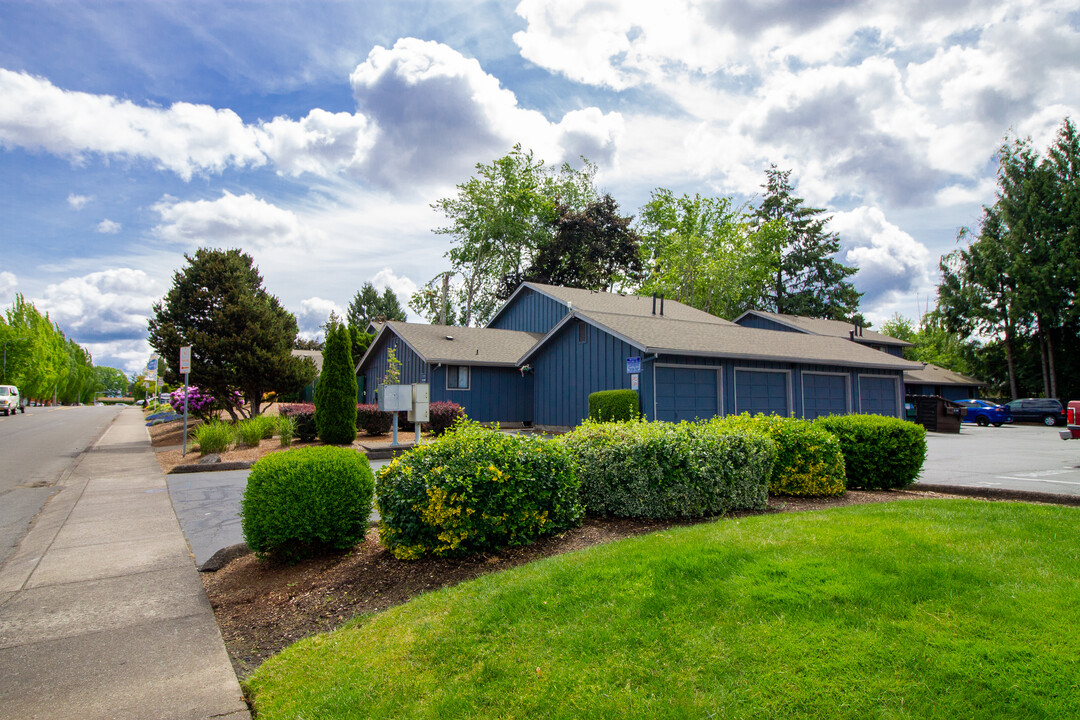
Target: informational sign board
x=634 y=382
x=185 y=360
x=151 y=369
x=633 y=365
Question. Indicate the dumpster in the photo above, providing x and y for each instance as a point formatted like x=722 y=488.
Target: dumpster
x=937 y=414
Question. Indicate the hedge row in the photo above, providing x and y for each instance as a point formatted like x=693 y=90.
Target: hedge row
x=664 y=470
x=880 y=453
x=373 y=421
x=808 y=458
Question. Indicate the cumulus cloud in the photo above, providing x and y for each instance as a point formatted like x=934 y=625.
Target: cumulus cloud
x=108 y=227
x=102 y=307
x=243 y=221
x=890 y=261
x=8 y=283
x=403 y=287
x=314 y=312
x=78 y=202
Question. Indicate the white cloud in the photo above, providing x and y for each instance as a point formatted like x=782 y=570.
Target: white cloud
x=403 y=287
x=322 y=143
x=890 y=261
x=314 y=312
x=243 y=221
x=102 y=307
x=127 y=355
x=8 y=283
x=78 y=202
x=108 y=227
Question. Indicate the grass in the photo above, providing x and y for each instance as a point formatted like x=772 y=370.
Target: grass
x=214 y=437
x=918 y=609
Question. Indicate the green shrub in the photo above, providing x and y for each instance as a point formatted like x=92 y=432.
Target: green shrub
x=304 y=415
x=808 y=458
x=286 y=429
x=252 y=430
x=335 y=395
x=666 y=470
x=214 y=437
x=880 y=453
x=301 y=502
x=372 y=420
x=613 y=405
x=475 y=489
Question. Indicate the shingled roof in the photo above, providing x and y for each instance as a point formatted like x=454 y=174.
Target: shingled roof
x=462 y=345
x=831 y=328
x=655 y=334
x=935 y=375
x=600 y=301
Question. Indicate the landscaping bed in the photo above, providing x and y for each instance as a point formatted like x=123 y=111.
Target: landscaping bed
x=262 y=607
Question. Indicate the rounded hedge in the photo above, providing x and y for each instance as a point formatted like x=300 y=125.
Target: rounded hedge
x=475 y=489
x=301 y=502
x=613 y=405
x=880 y=453
x=809 y=462
x=664 y=470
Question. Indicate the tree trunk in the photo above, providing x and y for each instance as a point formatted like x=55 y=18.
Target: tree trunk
x=1051 y=364
x=1042 y=357
x=1010 y=360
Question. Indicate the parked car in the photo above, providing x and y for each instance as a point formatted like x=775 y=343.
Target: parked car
x=1048 y=411
x=984 y=412
x=10 y=403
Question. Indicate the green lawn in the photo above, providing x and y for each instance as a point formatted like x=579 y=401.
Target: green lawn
x=913 y=609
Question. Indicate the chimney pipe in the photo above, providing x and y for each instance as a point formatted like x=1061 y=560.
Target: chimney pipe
x=661 y=304
x=654 y=303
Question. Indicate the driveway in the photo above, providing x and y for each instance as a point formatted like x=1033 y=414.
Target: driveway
x=1030 y=458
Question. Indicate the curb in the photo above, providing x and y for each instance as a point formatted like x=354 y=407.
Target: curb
x=211 y=467
x=999 y=494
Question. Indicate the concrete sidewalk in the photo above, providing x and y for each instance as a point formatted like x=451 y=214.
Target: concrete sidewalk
x=102 y=614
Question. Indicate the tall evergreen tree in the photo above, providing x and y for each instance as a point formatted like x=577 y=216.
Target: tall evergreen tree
x=369 y=306
x=335 y=394
x=808 y=280
x=240 y=336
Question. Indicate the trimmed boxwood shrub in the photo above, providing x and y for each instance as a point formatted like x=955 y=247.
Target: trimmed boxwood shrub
x=372 y=420
x=335 y=394
x=301 y=502
x=442 y=416
x=665 y=470
x=613 y=405
x=880 y=453
x=809 y=461
x=475 y=489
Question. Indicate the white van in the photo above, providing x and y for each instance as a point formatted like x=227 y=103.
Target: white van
x=9 y=400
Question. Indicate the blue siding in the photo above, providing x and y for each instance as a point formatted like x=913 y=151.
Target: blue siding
x=530 y=312
x=495 y=394
x=567 y=371
x=893 y=350
x=413 y=368
x=754 y=321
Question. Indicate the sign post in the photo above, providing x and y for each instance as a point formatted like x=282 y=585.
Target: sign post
x=185 y=368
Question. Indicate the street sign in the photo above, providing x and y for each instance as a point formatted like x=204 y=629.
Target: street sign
x=633 y=365
x=151 y=369
x=185 y=359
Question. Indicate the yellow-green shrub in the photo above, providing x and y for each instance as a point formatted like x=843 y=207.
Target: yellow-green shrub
x=475 y=489
x=809 y=462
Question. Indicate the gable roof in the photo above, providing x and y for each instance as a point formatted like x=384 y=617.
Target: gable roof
x=936 y=375
x=315 y=355
x=831 y=328
x=459 y=345
x=664 y=335
x=601 y=301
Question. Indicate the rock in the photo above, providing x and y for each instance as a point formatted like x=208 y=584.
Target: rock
x=211 y=459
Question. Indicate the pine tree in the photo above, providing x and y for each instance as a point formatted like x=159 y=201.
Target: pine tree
x=335 y=394
x=808 y=279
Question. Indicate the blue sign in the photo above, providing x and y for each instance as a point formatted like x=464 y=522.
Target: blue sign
x=633 y=366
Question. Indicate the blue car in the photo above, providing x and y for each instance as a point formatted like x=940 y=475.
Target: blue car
x=984 y=412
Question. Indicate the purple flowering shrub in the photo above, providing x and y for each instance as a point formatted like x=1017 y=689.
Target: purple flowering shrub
x=200 y=403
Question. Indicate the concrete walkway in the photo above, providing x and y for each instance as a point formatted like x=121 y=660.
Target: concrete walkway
x=102 y=614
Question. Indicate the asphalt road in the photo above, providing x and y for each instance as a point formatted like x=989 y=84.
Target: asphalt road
x=1012 y=457
x=36 y=449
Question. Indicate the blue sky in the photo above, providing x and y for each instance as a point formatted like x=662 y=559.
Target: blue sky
x=315 y=136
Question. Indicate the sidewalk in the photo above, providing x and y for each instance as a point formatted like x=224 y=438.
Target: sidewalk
x=102 y=614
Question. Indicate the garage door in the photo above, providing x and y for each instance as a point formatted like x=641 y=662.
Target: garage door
x=761 y=392
x=824 y=395
x=877 y=396
x=685 y=394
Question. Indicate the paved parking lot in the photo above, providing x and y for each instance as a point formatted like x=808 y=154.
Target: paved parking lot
x=1032 y=458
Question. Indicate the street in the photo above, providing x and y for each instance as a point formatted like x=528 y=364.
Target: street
x=36 y=449
x=1012 y=457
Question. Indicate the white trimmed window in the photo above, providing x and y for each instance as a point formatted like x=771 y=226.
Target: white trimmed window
x=457 y=377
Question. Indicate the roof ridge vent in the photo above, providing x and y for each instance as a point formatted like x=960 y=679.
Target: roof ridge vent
x=449 y=337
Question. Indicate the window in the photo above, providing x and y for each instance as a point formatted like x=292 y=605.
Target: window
x=457 y=377
x=582 y=332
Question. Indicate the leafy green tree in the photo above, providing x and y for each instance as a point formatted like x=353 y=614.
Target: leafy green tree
x=369 y=306
x=335 y=394
x=240 y=335
x=703 y=252
x=932 y=342
x=40 y=359
x=302 y=344
x=109 y=380
x=498 y=221
x=595 y=249
x=807 y=279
